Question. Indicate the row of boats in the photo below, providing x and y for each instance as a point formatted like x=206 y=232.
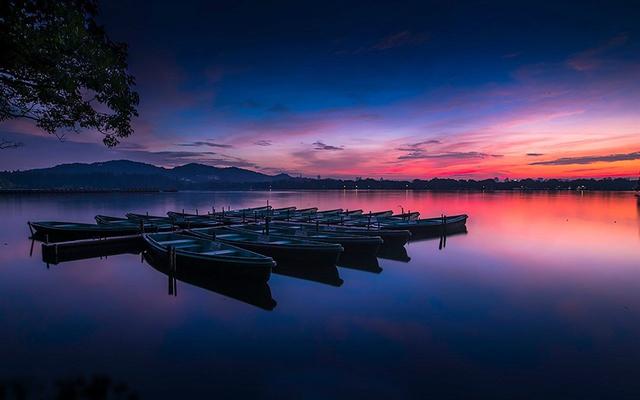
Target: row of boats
x=248 y=243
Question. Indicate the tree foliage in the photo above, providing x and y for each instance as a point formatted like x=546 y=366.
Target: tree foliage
x=59 y=69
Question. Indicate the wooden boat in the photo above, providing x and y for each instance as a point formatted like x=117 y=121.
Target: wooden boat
x=184 y=223
x=144 y=226
x=389 y=237
x=221 y=258
x=282 y=249
x=429 y=226
x=386 y=213
x=57 y=230
x=350 y=243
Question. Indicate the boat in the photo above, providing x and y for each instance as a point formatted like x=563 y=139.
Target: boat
x=350 y=243
x=147 y=226
x=389 y=237
x=282 y=249
x=58 y=230
x=254 y=293
x=429 y=226
x=211 y=256
x=184 y=223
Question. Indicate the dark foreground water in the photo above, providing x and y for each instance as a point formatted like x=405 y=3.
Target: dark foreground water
x=540 y=299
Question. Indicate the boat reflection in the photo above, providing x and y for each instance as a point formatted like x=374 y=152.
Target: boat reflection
x=325 y=274
x=461 y=230
x=54 y=254
x=394 y=253
x=254 y=293
x=361 y=263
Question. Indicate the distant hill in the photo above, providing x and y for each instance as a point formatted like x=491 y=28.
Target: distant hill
x=124 y=174
x=130 y=175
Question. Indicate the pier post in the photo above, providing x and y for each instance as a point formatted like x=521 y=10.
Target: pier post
x=267 y=219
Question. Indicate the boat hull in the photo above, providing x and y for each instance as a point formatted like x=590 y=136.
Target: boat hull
x=259 y=270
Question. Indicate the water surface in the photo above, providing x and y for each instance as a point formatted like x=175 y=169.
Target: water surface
x=541 y=298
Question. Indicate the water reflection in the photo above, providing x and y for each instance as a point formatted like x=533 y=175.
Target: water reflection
x=362 y=263
x=394 y=253
x=255 y=293
x=525 y=297
x=326 y=274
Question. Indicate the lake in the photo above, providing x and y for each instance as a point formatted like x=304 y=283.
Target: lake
x=539 y=299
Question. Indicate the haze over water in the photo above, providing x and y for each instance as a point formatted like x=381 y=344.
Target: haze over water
x=540 y=298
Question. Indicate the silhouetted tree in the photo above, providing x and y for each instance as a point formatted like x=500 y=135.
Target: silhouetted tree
x=59 y=69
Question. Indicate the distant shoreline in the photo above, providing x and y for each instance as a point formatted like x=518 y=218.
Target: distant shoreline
x=145 y=191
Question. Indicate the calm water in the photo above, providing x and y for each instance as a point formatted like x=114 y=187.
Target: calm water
x=541 y=298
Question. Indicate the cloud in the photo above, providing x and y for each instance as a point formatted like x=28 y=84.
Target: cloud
x=591 y=59
x=458 y=155
x=263 y=143
x=414 y=147
x=399 y=39
x=205 y=143
x=535 y=154
x=590 y=159
x=321 y=146
x=512 y=55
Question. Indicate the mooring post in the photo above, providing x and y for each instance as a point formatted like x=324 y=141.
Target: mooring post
x=46 y=238
x=196 y=211
x=255 y=216
x=141 y=227
x=267 y=220
x=244 y=218
x=30 y=228
x=317 y=225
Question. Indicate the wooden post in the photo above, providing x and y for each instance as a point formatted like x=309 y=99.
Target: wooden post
x=267 y=220
x=196 y=211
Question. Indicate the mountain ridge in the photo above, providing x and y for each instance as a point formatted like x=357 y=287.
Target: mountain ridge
x=109 y=174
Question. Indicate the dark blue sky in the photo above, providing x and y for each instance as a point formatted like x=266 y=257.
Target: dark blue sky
x=330 y=87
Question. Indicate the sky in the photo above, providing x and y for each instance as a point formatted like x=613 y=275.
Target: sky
x=373 y=89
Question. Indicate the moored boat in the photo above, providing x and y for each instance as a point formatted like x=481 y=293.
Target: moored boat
x=214 y=256
x=184 y=223
x=282 y=249
x=429 y=226
x=350 y=243
x=145 y=226
x=389 y=237
x=58 y=230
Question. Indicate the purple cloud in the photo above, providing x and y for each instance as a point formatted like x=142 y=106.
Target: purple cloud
x=590 y=159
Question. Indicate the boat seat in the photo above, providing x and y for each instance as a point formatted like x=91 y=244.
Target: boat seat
x=175 y=241
x=218 y=252
x=280 y=242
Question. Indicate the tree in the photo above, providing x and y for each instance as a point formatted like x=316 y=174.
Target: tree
x=59 y=69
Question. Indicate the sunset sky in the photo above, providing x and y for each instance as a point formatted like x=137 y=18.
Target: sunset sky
x=376 y=89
